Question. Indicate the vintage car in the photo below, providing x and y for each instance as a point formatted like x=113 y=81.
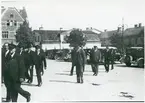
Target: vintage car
x=134 y=55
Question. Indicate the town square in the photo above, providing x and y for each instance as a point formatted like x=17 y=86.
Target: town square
x=72 y=51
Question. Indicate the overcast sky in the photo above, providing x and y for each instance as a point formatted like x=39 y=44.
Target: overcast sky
x=68 y=14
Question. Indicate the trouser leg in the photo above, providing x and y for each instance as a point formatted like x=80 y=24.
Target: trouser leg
x=78 y=78
x=96 y=68
x=7 y=83
x=38 y=72
x=21 y=91
x=112 y=64
x=72 y=69
x=27 y=73
x=92 y=65
x=81 y=77
x=31 y=74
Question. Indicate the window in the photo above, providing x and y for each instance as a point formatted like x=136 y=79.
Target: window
x=8 y=23
x=11 y=15
x=11 y=23
x=38 y=38
x=15 y=23
x=4 y=34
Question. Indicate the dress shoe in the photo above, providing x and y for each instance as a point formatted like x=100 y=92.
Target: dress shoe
x=28 y=99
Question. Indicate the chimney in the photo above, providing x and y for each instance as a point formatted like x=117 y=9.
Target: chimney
x=105 y=30
x=135 y=25
x=139 y=25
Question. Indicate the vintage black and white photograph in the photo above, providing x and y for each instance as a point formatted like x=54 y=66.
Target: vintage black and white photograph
x=72 y=50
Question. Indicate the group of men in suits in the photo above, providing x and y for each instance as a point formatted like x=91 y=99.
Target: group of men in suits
x=17 y=62
x=78 y=57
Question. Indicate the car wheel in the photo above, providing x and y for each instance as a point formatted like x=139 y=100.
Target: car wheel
x=128 y=64
x=141 y=63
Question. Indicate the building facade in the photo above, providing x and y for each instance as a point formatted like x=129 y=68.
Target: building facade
x=50 y=39
x=11 y=19
x=131 y=37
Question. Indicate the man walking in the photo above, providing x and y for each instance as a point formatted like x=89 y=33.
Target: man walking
x=5 y=59
x=80 y=63
x=107 y=59
x=38 y=61
x=95 y=58
x=15 y=75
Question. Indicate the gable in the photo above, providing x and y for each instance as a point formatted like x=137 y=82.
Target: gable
x=16 y=16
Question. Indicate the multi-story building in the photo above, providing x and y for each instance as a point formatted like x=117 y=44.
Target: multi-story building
x=11 y=19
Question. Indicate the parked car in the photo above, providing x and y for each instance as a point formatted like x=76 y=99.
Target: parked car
x=134 y=55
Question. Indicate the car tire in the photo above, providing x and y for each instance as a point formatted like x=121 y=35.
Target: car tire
x=128 y=64
x=141 y=63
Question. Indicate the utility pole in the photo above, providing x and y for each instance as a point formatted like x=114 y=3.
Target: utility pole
x=122 y=36
x=60 y=37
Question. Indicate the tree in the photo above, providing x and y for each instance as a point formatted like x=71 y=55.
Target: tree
x=24 y=35
x=76 y=38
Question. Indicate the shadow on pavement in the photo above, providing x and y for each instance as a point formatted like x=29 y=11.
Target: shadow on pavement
x=62 y=74
x=61 y=81
x=96 y=84
x=126 y=95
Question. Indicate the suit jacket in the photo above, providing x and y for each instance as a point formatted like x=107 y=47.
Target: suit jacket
x=38 y=60
x=16 y=67
x=5 y=59
x=43 y=58
x=107 y=55
x=95 y=56
x=80 y=57
x=73 y=57
x=29 y=58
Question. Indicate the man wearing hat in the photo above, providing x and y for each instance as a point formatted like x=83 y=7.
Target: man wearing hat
x=5 y=59
x=95 y=58
x=15 y=75
x=38 y=61
x=107 y=55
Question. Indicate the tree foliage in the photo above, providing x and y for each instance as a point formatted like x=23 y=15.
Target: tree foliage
x=24 y=35
x=76 y=38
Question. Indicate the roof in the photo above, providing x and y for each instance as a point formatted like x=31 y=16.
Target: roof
x=91 y=36
x=134 y=31
x=48 y=34
x=108 y=34
x=21 y=12
x=53 y=34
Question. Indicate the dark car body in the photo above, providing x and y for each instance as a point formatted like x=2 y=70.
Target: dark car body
x=134 y=55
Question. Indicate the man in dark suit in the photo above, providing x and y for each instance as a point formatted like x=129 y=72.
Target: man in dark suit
x=112 y=58
x=80 y=63
x=5 y=59
x=15 y=75
x=38 y=61
x=107 y=55
x=31 y=63
x=27 y=63
x=43 y=60
x=95 y=56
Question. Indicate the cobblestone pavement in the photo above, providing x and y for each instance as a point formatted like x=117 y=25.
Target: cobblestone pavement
x=121 y=84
